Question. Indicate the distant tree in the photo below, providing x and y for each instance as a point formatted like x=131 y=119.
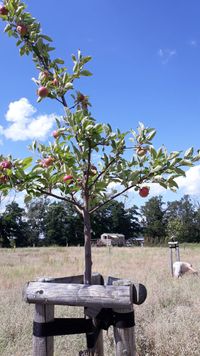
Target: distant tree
x=182 y=220
x=36 y=212
x=15 y=226
x=62 y=225
x=134 y=217
x=154 y=224
x=115 y=218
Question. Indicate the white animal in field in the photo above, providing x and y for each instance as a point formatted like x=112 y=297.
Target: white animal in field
x=180 y=268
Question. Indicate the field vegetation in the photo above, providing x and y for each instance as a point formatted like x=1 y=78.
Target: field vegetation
x=166 y=324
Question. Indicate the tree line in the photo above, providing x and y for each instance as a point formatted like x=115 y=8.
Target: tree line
x=44 y=223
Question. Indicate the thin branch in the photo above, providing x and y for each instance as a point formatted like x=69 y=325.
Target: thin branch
x=141 y=180
x=111 y=198
x=104 y=170
x=60 y=198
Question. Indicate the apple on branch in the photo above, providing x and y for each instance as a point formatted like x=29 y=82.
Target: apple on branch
x=43 y=92
x=3 y=10
x=5 y=164
x=141 y=151
x=55 y=133
x=144 y=192
x=68 y=179
x=47 y=162
x=22 y=30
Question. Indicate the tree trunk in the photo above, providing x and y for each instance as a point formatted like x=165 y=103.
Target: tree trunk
x=87 y=239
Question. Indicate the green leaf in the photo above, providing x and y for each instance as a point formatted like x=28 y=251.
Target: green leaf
x=151 y=135
x=45 y=37
x=59 y=61
x=86 y=59
x=27 y=162
x=85 y=73
x=189 y=152
x=27 y=199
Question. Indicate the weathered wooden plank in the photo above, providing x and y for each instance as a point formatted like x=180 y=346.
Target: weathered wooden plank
x=78 y=294
x=97 y=279
x=124 y=337
x=43 y=346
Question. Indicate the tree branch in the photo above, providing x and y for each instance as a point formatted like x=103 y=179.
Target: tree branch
x=74 y=202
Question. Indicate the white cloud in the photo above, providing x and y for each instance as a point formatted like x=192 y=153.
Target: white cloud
x=190 y=183
x=166 y=54
x=23 y=125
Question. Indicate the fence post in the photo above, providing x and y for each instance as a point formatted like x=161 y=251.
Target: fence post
x=91 y=312
x=173 y=245
x=99 y=349
x=43 y=346
x=124 y=338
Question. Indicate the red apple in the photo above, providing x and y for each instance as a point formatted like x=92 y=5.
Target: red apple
x=68 y=178
x=3 y=10
x=144 y=192
x=46 y=162
x=43 y=92
x=5 y=164
x=80 y=97
x=55 y=134
x=22 y=30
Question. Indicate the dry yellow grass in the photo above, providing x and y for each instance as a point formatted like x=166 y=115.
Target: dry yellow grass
x=167 y=324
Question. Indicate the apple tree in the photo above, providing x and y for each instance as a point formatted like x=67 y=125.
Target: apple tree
x=66 y=168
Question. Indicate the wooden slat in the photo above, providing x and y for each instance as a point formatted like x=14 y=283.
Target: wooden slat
x=124 y=338
x=43 y=346
x=77 y=294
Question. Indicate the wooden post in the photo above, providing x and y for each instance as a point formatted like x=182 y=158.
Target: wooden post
x=43 y=346
x=99 y=349
x=124 y=338
x=177 y=253
x=171 y=260
x=173 y=245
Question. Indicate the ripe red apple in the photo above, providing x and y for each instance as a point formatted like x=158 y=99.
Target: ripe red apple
x=144 y=192
x=43 y=92
x=47 y=162
x=68 y=178
x=3 y=10
x=5 y=164
x=22 y=30
x=55 y=134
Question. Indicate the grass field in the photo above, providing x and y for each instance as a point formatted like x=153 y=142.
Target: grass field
x=167 y=324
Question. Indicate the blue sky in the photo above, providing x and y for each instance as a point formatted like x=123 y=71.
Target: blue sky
x=146 y=67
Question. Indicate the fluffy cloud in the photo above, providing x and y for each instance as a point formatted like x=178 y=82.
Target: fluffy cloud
x=22 y=123
x=190 y=183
